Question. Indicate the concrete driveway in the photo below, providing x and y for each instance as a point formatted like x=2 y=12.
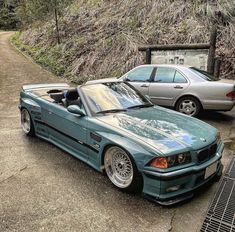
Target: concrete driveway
x=44 y=189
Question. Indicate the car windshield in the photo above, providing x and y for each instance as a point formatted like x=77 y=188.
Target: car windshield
x=113 y=97
x=203 y=74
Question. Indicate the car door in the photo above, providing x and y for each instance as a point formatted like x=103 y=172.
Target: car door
x=167 y=83
x=140 y=78
x=67 y=130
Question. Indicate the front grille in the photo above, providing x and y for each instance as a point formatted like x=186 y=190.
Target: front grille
x=221 y=213
x=207 y=153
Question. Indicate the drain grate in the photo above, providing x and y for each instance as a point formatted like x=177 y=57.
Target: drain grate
x=231 y=170
x=221 y=213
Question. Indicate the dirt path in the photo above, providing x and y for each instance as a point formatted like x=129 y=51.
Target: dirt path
x=15 y=70
x=44 y=189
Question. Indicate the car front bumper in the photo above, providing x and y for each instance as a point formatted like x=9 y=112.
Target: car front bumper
x=185 y=181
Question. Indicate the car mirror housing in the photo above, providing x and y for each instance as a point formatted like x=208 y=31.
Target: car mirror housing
x=74 y=109
x=125 y=78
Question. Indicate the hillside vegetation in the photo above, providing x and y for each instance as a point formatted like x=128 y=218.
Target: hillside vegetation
x=100 y=38
x=8 y=17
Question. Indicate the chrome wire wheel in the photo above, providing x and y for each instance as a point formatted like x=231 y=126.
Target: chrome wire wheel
x=25 y=121
x=188 y=107
x=118 y=167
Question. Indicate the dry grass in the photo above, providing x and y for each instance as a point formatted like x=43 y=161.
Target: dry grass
x=100 y=38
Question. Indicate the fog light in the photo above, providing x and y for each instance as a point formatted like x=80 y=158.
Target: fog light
x=173 y=188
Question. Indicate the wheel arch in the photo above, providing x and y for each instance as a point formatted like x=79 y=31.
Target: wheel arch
x=188 y=95
x=137 y=184
x=137 y=152
x=106 y=147
x=31 y=131
x=32 y=107
x=28 y=103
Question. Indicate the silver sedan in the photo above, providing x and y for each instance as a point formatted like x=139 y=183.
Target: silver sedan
x=187 y=89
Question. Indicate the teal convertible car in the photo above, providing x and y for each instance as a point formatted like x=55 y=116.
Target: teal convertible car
x=109 y=125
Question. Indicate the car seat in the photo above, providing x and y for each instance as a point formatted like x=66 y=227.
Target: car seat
x=71 y=98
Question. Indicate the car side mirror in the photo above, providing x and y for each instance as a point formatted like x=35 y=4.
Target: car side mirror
x=74 y=109
x=125 y=78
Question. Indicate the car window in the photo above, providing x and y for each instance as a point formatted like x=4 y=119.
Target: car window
x=164 y=75
x=203 y=74
x=113 y=95
x=140 y=74
x=179 y=78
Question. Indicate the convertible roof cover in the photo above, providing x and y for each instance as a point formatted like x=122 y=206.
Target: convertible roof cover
x=105 y=80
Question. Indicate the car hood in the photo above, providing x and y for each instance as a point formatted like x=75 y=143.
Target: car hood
x=165 y=130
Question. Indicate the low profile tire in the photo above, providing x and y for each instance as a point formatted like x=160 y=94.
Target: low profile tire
x=189 y=106
x=26 y=123
x=122 y=171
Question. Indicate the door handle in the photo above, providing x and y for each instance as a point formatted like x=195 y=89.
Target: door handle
x=144 y=85
x=178 y=87
x=49 y=112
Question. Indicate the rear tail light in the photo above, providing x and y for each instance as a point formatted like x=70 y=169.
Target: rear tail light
x=231 y=94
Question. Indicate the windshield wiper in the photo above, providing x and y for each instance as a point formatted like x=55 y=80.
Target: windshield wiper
x=140 y=106
x=110 y=111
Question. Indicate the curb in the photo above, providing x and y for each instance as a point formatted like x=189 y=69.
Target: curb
x=33 y=61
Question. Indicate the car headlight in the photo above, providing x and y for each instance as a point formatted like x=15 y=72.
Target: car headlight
x=171 y=161
x=181 y=158
x=218 y=137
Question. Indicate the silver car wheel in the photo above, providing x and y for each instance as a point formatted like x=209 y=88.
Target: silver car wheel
x=118 y=167
x=188 y=107
x=25 y=121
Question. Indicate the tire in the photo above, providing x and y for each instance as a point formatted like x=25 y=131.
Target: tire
x=26 y=123
x=189 y=106
x=122 y=171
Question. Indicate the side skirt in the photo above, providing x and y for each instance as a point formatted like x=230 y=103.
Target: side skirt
x=72 y=152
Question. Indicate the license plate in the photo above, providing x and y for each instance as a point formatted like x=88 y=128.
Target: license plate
x=211 y=170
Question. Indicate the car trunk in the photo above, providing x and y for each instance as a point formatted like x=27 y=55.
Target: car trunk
x=228 y=81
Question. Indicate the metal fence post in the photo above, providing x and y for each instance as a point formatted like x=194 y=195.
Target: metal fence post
x=211 y=54
x=148 y=56
x=217 y=67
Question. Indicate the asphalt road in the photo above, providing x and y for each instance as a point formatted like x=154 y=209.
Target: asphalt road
x=44 y=189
